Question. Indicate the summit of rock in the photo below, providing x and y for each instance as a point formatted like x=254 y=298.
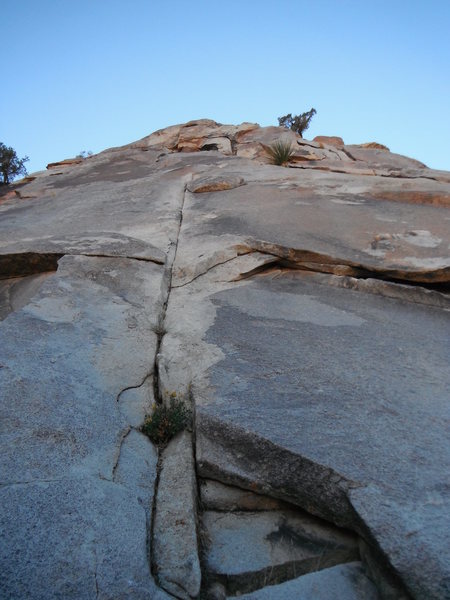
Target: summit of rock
x=301 y=311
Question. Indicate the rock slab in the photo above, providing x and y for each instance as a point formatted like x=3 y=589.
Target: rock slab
x=245 y=551
x=346 y=582
x=175 y=543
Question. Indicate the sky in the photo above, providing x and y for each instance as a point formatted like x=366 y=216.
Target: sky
x=92 y=74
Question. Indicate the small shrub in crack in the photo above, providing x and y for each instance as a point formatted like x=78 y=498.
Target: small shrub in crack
x=166 y=421
x=280 y=152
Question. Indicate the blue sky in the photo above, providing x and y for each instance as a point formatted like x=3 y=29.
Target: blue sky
x=92 y=74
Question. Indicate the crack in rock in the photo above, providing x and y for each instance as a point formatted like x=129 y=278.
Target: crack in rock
x=134 y=387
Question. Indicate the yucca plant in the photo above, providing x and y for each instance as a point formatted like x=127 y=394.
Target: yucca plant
x=280 y=152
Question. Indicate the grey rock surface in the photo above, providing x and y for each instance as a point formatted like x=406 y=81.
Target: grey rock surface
x=74 y=538
x=346 y=582
x=337 y=401
x=343 y=224
x=77 y=480
x=175 y=543
x=217 y=496
x=247 y=550
x=16 y=292
x=114 y=196
x=327 y=389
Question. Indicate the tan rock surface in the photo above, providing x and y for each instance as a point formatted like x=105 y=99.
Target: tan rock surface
x=333 y=140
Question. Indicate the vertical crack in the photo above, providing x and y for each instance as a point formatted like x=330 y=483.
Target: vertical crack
x=119 y=452
x=166 y=289
x=160 y=331
x=151 y=533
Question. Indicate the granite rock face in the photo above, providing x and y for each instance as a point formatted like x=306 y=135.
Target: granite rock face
x=175 y=526
x=345 y=581
x=301 y=312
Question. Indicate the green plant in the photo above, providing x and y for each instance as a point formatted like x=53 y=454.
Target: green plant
x=298 y=123
x=166 y=421
x=280 y=152
x=11 y=165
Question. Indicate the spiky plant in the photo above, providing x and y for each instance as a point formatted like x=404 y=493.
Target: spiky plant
x=280 y=152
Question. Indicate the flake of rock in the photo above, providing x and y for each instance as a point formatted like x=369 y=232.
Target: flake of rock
x=309 y=372
x=330 y=221
x=381 y=157
x=217 y=496
x=245 y=551
x=306 y=155
x=214 y=184
x=35 y=255
x=175 y=528
x=267 y=135
x=374 y=145
x=68 y=162
x=327 y=140
x=346 y=582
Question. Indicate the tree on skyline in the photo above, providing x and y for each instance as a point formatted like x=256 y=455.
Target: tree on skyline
x=11 y=166
x=298 y=123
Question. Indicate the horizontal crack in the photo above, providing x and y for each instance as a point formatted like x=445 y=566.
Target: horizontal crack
x=218 y=264
x=28 y=263
x=293 y=258
x=31 y=481
x=20 y=264
x=143 y=259
x=343 y=171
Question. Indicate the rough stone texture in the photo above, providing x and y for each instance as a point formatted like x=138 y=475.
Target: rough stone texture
x=328 y=140
x=217 y=496
x=68 y=162
x=374 y=145
x=338 y=402
x=346 y=582
x=247 y=550
x=214 y=184
x=77 y=481
x=66 y=357
x=16 y=292
x=73 y=538
x=175 y=528
x=20 y=258
x=325 y=386
x=121 y=193
x=320 y=221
